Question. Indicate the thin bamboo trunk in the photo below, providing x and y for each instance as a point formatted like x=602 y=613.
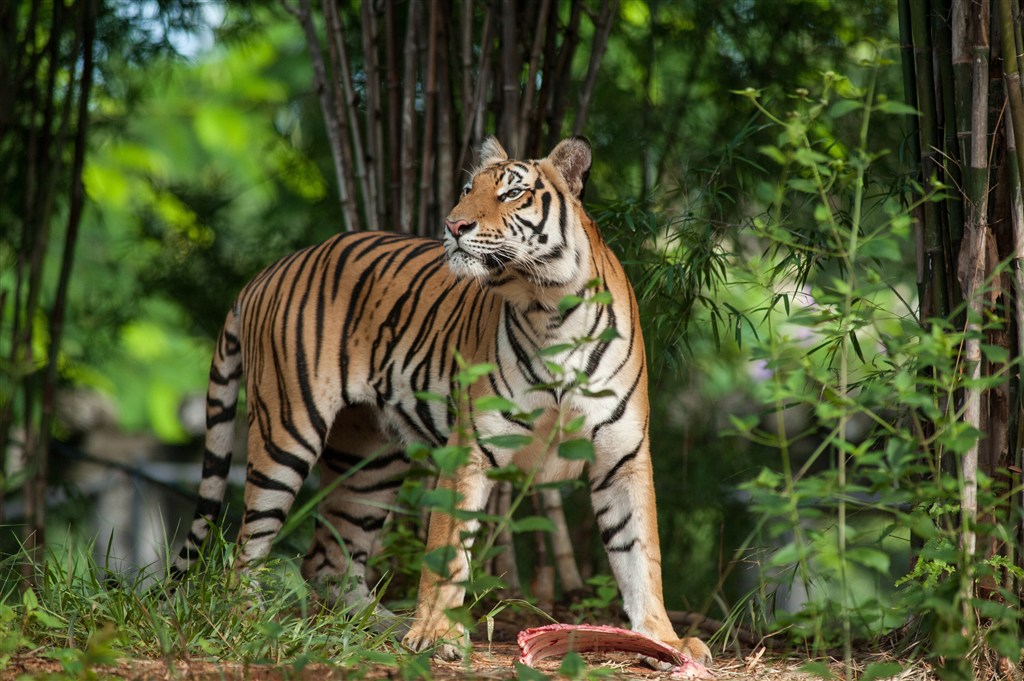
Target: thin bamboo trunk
x=933 y=287
x=473 y=125
x=510 y=67
x=561 y=541
x=972 y=270
x=559 y=101
x=345 y=108
x=329 y=111
x=407 y=186
x=526 y=108
x=427 y=171
x=446 y=180
x=505 y=562
x=394 y=114
x=374 y=125
x=609 y=10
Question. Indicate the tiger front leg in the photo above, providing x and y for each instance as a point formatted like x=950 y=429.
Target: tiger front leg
x=622 y=493
x=439 y=593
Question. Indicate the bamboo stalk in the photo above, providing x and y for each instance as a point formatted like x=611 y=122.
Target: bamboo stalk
x=562 y=71
x=329 y=111
x=473 y=126
x=561 y=542
x=510 y=66
x=374 y=125
x=933 y=298
x=609 y=9
x=446 y=193
x=950 y=211
x=1012 y=83
x=394 y=88
x=408 y=156
x=1015 y=149
x=466 y=43
x=429 y=120
x=348 y=118
x=972 y=269
x=526 y=107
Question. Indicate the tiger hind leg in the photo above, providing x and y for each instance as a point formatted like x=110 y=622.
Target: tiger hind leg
x=363 y=471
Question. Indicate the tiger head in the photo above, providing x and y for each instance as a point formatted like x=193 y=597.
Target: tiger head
x=519 y=225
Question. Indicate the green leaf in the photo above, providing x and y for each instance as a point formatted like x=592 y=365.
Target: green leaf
x=870 y=557
x=525 y=673
x=441 y=498
x=996 y=353
x=474 y=372
x=602 y=298
x=608 y=335
x=510 y=441
x=898 y=108
x=494 y=403
x=510 y=473
x=574 y=425
x=450 y=457
x=555 y=349
x=883 y=670
x=438 y=560
x=572 y=666
x=577 y=450
x=567 y=303
x=845 y=106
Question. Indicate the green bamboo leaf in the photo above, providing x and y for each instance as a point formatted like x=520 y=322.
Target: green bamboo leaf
x=856 y=346
x=885 y=670
x=577 y=450
x=870 y=558
x=898 y=108
x=494 y=403
x=845 y=106
x=438 y=560
x=510 y=441
x=555 y=349
x=567 y=303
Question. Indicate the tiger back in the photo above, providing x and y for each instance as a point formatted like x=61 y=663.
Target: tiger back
x=335 y=341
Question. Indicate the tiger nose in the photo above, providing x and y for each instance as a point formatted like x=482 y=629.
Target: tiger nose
x=457 y=226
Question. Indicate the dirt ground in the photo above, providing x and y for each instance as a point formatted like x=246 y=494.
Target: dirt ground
x=493 y=663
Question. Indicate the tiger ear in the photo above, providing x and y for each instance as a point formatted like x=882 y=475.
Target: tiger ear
x=491 y=151
x=572 y=158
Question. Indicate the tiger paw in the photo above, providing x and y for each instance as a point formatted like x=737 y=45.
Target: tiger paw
x=693 y=648
x=448 y=640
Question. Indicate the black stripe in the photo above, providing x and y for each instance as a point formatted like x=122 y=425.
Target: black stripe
x=215 y=465
x=367 y=523
x=226 y=415
x=623 y=548
x=207 y=508
x=609 y=532
x=259 y=479
x=620 y=408
x=607 y=481
x=268 y=514
x=379 y=486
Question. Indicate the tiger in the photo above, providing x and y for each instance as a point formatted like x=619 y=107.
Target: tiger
x=338 y=342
